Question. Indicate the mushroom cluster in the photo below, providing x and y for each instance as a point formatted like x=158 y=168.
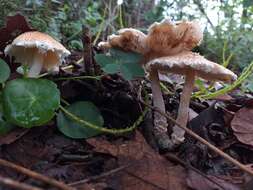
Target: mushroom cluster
x=167 y=49
x=38 y=51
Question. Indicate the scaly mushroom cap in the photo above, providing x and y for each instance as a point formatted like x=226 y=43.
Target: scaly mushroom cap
x=168 y=38
x=186 y=62
x=29 y=44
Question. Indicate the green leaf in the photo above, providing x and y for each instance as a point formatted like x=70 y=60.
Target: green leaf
x=84 y=110
x=5 y=127
x=112 y=68
x=104 y=60
x=4 y=71
x=30 y=102
x=126 y=63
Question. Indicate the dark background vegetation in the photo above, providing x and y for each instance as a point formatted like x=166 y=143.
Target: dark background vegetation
x=227 y=24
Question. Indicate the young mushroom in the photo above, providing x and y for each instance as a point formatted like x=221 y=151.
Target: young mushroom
x=38 y=51
x=190 y=65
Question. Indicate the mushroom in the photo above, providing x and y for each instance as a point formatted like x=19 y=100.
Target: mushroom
x=163 y=39
x=38 y=51
x=128 y=39
x=190 y=65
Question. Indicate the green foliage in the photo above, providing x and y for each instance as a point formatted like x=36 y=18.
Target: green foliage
x=86 y=111
x=128 y=64
x=4 y=71
x=5 y=127
x=30 y=102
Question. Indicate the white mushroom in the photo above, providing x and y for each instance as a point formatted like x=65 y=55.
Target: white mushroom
x=38 y=51
x=190 y=65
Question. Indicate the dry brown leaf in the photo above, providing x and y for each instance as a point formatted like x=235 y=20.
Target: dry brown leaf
x=198 y=182
x=148 y=170
x=242 y=125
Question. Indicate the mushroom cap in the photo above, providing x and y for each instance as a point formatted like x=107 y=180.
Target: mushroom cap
x=26 y=45
x=188 y=61
x=168 y=38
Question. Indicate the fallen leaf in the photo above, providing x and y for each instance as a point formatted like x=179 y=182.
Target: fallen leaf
x=242 y=125
x=148 y=170
x=198 y=182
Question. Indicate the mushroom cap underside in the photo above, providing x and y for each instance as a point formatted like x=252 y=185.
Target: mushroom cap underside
x=186 y=62
x=28 y=44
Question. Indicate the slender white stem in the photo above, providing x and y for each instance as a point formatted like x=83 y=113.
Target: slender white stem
x=36 y=66
x=182 y=117
x=160 y=122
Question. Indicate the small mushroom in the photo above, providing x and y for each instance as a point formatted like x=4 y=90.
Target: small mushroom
x=128 y=39
x=190 y=65
x=38 y=51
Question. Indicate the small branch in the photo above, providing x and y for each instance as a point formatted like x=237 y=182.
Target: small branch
x=87 y=51
x=174 y=158
x=16 y=185
x=35 y=175
x=209 y=145
x=93 y=178
x=145 y=181
x=202 y=10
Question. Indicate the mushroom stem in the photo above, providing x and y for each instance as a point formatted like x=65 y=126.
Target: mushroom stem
x=160 y=122
x=37 y=65
x=182 y=117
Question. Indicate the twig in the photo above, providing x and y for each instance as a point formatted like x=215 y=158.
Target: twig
x=144 y=180
x=15 y=184
x=194 y=135
x=174 y=158
x=87 y=51
x=35 y=175
x=105 y=174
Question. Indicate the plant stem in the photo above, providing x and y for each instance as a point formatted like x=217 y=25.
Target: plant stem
x=121 y=17
x=79 y=77
x=239 y=81
x=102 y=129
x=101 y=27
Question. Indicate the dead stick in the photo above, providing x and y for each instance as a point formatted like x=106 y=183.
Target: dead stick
x=15 y=184
x=105 y=174
x=174 y=158
x=209 y=145
x=35 y=175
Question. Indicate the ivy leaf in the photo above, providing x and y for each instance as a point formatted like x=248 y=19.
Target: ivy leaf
x=30 y=102
x=84 y=110
x=4 y=71
x=126 y=63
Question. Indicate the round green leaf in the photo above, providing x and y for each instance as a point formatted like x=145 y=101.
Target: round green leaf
x=84 y=110
x=4 y=71
x=30 y=102
x=5 y=127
